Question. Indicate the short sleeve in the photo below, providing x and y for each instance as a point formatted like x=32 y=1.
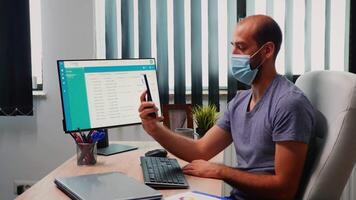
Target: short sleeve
x=224 y=121
x=293 y=119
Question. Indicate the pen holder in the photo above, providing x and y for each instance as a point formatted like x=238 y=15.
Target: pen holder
x=86 y=153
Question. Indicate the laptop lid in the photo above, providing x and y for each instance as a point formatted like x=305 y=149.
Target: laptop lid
x=110 y=186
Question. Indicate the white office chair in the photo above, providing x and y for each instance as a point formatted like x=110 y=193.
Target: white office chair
x=328 y=168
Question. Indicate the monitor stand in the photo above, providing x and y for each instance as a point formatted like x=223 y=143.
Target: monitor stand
x=106 y=149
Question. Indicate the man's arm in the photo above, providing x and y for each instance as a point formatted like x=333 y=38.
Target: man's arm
x=289 y=163
x=214 y=141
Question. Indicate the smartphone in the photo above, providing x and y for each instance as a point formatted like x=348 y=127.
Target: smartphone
x=149 y=96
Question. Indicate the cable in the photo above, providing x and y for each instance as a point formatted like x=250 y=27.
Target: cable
x=15 y=111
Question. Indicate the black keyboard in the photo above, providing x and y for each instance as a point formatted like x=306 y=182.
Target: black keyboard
x=162 y=172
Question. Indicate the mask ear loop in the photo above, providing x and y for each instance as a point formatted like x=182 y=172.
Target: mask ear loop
x=257 y=51
x=258 y=66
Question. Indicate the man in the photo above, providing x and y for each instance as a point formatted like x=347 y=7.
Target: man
x=270 y=124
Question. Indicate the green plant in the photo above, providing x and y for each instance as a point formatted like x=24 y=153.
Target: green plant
x=205 y=117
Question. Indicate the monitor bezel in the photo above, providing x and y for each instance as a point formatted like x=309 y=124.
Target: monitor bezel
x=105 y=127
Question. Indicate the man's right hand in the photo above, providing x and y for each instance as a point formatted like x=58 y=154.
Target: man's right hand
x=149 y=122
x=214 y=141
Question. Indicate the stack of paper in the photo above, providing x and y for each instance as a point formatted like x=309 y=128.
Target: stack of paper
x=194 y=195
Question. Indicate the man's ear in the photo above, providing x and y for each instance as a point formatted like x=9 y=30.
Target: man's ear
x=269 y=50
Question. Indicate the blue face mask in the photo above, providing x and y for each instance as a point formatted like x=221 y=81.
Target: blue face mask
x=241 y=69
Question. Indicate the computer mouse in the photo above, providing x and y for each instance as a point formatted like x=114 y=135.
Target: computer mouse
x=156 y=153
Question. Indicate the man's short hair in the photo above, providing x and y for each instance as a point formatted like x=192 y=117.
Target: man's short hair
x=269 y=31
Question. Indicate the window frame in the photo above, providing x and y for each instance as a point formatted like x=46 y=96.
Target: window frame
x=36 y=45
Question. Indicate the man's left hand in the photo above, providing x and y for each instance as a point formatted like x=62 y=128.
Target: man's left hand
x=203 y=168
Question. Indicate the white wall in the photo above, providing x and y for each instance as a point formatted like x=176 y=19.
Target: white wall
x=31 y=147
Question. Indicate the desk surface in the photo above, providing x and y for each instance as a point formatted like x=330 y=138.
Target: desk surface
x=127 y=163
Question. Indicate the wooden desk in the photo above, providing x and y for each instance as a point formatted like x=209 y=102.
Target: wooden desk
x=127 y=163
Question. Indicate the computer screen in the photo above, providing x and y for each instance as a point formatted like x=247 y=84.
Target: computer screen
x=104 y=93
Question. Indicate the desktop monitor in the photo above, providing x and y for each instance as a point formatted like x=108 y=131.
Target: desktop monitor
x=98 y=94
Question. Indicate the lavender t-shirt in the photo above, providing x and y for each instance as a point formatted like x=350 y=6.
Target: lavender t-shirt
x=282 y=114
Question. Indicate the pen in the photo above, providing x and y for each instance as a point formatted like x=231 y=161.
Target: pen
x=78 y=138
x=82 y=136
x=75 y=139
x=90 y=134
x=96 y=136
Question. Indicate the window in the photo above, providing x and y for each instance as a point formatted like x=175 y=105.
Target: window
x=315 y=34
x=36 y=44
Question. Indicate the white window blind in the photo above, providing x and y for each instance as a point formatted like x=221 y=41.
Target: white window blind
x=315 y=32
x=315 y=35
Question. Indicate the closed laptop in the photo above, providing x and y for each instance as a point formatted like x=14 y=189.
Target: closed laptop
x=110 y=186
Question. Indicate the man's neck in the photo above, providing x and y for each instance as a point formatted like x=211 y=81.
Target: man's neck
x=263 y=80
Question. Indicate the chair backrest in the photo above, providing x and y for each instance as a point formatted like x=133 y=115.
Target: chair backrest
x=333 y=95
x=177 y=116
